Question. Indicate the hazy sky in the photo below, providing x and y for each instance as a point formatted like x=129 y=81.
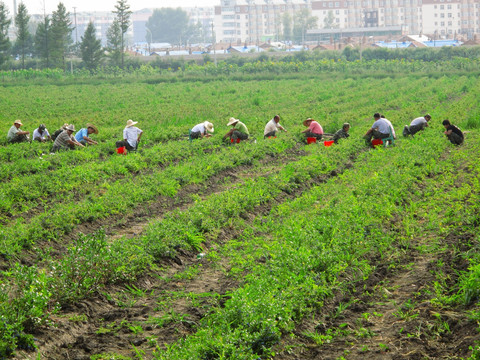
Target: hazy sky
x=36 y=6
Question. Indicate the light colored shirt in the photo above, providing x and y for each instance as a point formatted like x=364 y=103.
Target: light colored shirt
x=199 y=128
x=80 y=134
x=391 y=127
x=12 y=132
x=44 y=135
x=241 y=127
x=382 y=126
x=315 y=128
x=61 y=140
x=131 y=135
x=418 y=121
x=271 y=126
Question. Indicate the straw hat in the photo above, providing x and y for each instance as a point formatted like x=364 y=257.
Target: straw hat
x=305 y=122
x=95 y=130
x=209 y=126
x=131 y=123
x=18 y=122
x=232 y=121
x=64 y=126
x=70 y=127
x=345 y=125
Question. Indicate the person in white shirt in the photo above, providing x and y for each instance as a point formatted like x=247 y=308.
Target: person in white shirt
x=391 y=126
x=272 y=127
x=379 y=130
x=201 y=130
x=131 y=136
x=416 y=125
x=41 y=134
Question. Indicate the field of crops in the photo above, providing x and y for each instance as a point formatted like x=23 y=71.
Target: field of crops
x=263 y=249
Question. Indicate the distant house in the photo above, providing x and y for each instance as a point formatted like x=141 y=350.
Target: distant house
x=244 y=49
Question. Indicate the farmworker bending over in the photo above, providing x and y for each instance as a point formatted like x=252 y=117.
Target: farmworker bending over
x=379 y=130
x=59 y=131
x=342 y=133
x=272 y=127
x=131 y=136
x=239 y=130
x=82 y=135
x=416 y=125
x=391 y=126
x=453 y=133
x=41 y=134
x=314 y=129
x=201 y=130
x=15 y=135
x=66 y=141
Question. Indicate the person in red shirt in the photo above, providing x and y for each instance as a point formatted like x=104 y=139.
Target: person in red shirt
x=314 y=129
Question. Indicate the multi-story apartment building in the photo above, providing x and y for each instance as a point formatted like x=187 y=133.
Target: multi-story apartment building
x=239 y=21
x=254 y=21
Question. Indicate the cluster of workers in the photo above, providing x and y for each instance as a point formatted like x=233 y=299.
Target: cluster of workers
x=382 y=128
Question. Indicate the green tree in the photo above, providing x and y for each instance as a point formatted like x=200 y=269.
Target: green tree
x=91 y=48
x=303 y=21
x=122 y=17
x=114 y=43
x=168 y=25
x=5 y=44
x=42 y=41
x=61 y=36
x=287 y=27
x=24 y=42
x=329 y=21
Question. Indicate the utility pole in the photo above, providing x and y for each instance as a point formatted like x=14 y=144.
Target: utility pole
x=76 y=29
x=214 y=51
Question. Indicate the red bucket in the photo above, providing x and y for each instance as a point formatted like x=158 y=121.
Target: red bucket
x=377 y=142
x=122 y=150
x=328 y=143
x=311 y=140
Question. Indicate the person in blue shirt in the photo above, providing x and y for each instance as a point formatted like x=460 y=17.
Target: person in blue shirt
x=82 y=135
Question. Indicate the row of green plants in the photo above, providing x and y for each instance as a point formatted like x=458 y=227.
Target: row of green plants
x=92 y=262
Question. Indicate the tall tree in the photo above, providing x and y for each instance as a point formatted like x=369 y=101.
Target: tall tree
x=24 y=42
x=122 y=14
x=114 y=43
x=303 y=21
x=5 y=44
x=287 y=26
x=61 y=39
x=329 y=21
x=91 y=48
x=168 y=25
x=42 y=41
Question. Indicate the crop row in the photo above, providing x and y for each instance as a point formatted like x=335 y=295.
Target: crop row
x=92 y=262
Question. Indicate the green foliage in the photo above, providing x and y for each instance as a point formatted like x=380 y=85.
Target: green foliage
x=5 y=44
x=168 y=25
x=91 y=48
x=60 y=36
x=24 y=42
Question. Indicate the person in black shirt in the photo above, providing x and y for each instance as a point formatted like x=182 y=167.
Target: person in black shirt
x=453 y=133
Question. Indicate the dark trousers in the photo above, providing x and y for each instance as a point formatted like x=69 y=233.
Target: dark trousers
x=270 y=134
x=455 y=138
x=375 y=134
x=412 y=130
x=310 y=134
x=19 y=139
x=195 y=135
x=238 y=135
x=123 y=143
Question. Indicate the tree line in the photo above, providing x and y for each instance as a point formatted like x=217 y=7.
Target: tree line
x=51 y=43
